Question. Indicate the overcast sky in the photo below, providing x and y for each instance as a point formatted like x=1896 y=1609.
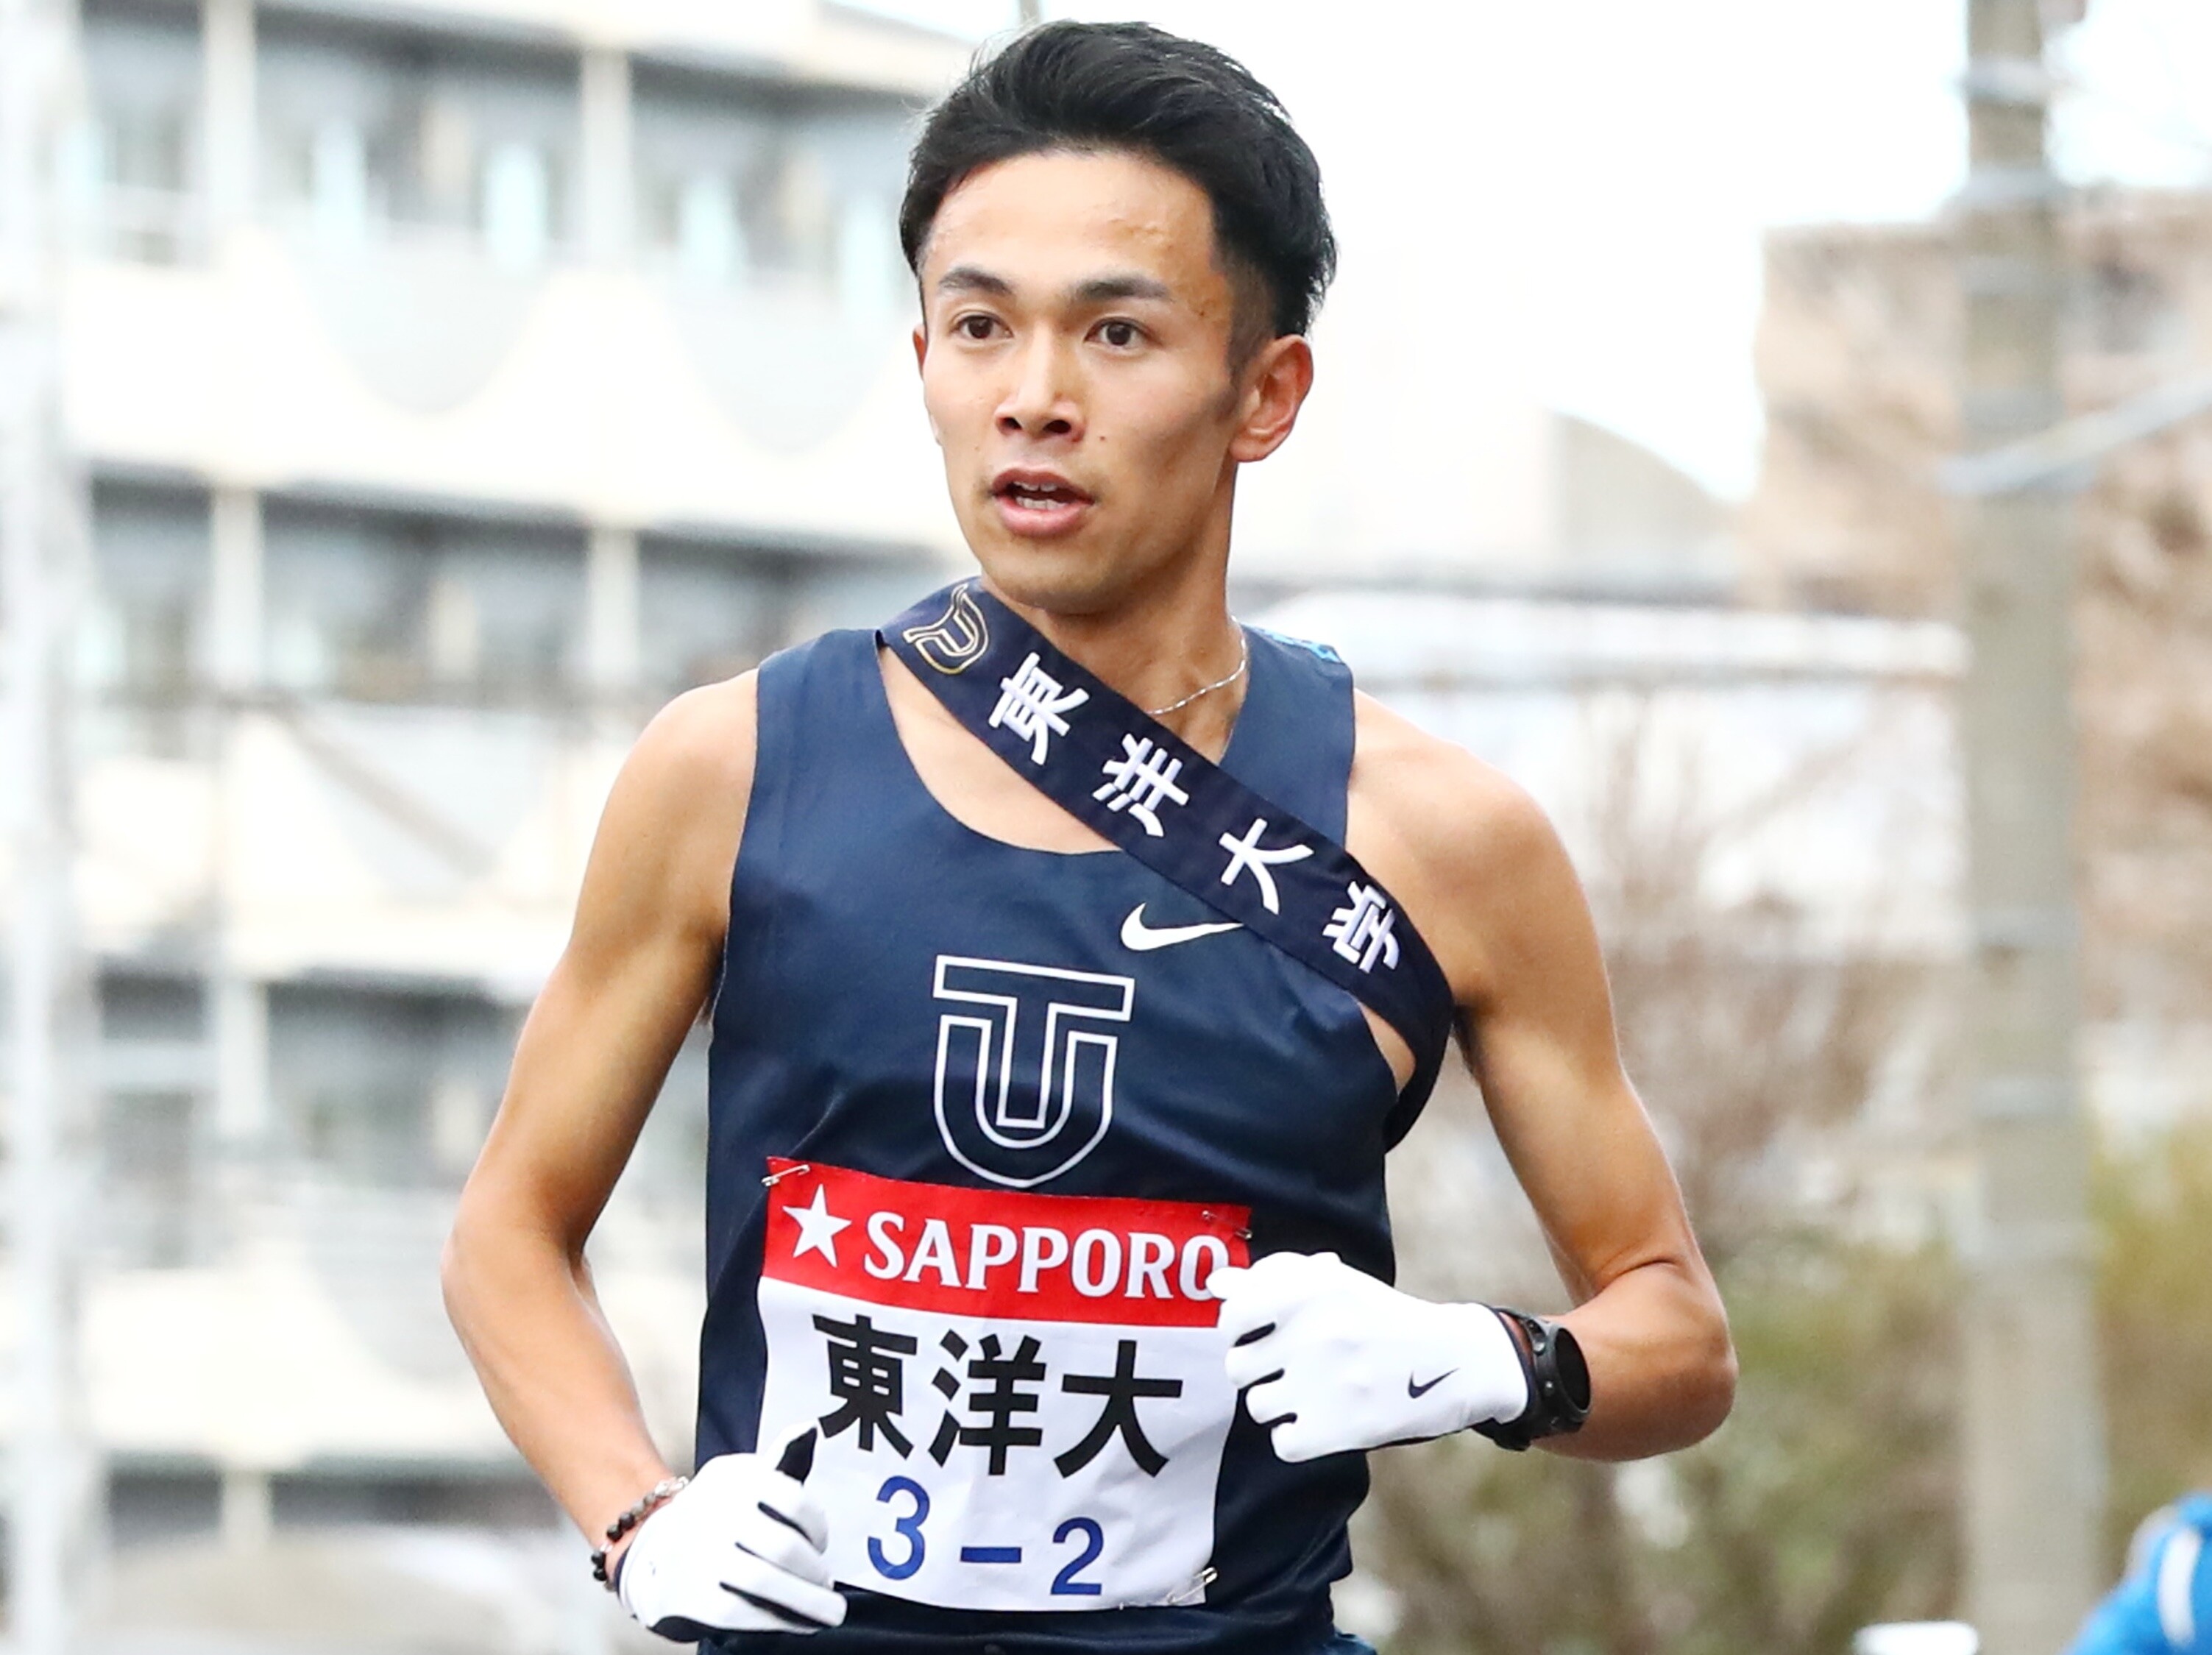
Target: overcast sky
x=1584 y=182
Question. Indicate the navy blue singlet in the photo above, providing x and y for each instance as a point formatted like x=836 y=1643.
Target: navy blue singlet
x=1002 y=1149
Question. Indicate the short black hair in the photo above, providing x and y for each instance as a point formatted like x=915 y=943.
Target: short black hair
x=1183 y=104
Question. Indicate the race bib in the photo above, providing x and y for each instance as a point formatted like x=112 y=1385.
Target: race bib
x=1020 y=1397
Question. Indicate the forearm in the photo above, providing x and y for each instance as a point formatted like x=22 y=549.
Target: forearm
x=524 y=1306
x=1662 y=1370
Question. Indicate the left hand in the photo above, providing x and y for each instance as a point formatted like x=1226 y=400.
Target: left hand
x=1335 y=1360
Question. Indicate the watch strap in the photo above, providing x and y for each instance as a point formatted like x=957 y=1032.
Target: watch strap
x=1558 y=1379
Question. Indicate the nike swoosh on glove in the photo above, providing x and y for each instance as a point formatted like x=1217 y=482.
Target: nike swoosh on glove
x=740 y=1549
x=1332 y=1360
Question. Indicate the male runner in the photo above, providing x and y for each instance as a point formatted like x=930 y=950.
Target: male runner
x=1047 y=1248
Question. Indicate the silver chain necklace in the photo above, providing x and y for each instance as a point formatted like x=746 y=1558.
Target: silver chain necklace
x=1243 y=660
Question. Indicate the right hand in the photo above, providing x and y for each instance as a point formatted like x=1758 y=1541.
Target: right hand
x=738 y=1549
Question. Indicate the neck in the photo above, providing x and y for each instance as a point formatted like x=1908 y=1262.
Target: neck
x=1158 y=646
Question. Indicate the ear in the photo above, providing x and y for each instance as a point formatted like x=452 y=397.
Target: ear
x=1276 y=382
x=921 y=365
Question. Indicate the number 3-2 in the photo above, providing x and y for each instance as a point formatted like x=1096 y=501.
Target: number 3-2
x=1065 y=1585
x=910 y=1526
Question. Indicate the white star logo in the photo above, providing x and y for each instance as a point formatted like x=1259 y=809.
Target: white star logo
x=817 y=1229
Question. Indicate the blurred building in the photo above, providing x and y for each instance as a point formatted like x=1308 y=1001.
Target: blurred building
x=1856 y=356
x=455 y=383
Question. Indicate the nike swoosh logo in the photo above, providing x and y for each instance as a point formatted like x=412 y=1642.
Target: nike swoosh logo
x=1142 y=938
x=1413 y=1390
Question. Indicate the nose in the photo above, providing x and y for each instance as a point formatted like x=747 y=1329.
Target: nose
x=1041 y=402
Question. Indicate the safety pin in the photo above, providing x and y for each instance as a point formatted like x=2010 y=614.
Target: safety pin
x=1194 y=1592
x=775 y=1179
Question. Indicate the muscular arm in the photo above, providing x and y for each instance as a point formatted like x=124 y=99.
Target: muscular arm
x=1484 y=877
x=638 y=966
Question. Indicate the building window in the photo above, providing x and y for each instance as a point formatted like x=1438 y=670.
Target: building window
x=146 y=624
x=339 y=198
x=149 y=1010
x=515 y=600
x=153 y=1050
x=146 y=1143
x=387 y=1087
x=143 y=78
x=740 y=182
x=334 y=1499
x=157 y=1505
x=143 y=636
x=346 y=597
x=367 y=134
x=704 y=613
x=709 y=242
x=518 y=206
x=386 y=606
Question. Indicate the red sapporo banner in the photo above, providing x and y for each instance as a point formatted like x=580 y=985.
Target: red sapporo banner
x=998 y=1253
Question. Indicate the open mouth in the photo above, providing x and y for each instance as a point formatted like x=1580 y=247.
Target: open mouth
x=1024 y=495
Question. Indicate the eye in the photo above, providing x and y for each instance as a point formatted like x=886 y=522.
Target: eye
x=1120 y=335
x=974 y=325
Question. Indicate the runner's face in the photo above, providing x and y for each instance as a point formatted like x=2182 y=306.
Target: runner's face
x=1075 y=364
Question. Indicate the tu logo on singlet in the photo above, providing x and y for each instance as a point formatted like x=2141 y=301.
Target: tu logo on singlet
x=1025 y=1084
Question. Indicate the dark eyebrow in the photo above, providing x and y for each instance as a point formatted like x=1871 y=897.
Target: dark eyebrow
x=1105 y=289
x=1098 y=290
x=966 y=278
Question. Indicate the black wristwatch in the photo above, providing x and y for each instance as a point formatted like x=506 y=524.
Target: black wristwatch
x=1559 y=1381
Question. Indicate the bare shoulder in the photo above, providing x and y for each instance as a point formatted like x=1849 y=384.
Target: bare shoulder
x=1471 y=855
x=670 y=833
x=1438 y=805
x=705 y=737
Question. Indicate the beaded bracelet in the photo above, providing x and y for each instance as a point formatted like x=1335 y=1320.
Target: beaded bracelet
x=647 y=1503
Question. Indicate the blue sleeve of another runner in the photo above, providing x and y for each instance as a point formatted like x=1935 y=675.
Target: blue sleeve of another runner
x=2164 y=1607
x=2125 y=1623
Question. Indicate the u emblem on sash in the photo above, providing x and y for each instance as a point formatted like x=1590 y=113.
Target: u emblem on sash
x=956 y=640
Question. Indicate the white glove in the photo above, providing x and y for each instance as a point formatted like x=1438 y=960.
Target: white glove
x=737 y=1549
x=1335 y=1360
